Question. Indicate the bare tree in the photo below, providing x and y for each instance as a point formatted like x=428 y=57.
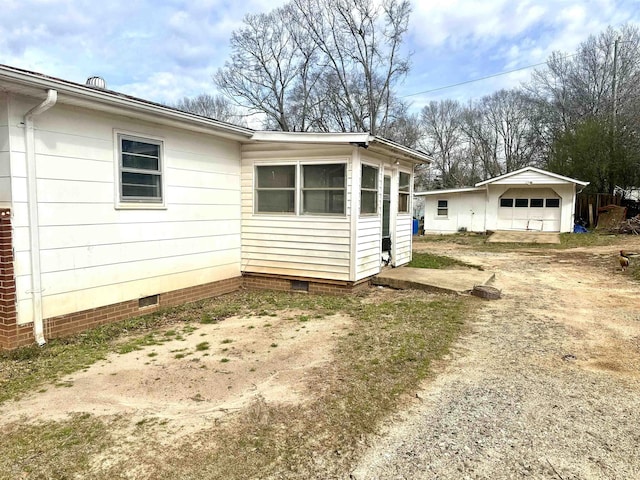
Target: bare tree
x=212 y=106
x=507 y=113
x=442 y=124
x=360 y=42
x=263 y=67
x=322 y=65
x=595 y=90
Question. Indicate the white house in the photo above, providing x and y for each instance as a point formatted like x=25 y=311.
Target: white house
x=111 y=206
x=526 y=199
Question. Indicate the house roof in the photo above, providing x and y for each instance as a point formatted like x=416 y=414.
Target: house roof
x=534 y=170
x=365 y=140
x=36 y=85
x=449 y=191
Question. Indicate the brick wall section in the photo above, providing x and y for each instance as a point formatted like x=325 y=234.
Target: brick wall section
x=12 y=335
x=8 y=320
x=253 y=281
x=66 y=325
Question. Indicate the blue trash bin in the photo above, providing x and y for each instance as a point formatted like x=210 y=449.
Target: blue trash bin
x=415 y=226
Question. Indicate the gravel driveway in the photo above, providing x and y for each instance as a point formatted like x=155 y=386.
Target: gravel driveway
x=546 y=385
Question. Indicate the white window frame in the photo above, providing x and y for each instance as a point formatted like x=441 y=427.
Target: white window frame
x=122 y=202
x=295 y=187
x=404 y=193
x=302 y=189
x=375 y=190
x=444 y=208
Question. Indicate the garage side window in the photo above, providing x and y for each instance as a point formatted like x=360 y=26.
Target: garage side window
x=537 y=202
x=323 y=189
x=443 y=208
x=552 y=202
x=369 y=190
x=140 y=170
x=506 y=202
x=404 y=191
x=522 y=202
x=275 y=189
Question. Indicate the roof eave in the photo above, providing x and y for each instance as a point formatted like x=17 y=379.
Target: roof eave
x=110 y=98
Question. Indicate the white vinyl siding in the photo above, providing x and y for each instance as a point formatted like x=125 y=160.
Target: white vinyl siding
x=5 y=170
x=455 y=211
x=93 y=254
x=312 y=246
x=368 y=246
x=404 y=237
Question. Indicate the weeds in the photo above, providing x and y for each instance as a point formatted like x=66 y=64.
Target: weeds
x=387 y=353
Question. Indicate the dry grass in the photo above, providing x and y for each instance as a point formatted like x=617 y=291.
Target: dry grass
x=378 y=364
x=567 y=240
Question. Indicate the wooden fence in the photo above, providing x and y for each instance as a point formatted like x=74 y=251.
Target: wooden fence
x=587 y=206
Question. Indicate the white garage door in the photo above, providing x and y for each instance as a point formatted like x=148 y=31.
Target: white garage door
x=529 y=209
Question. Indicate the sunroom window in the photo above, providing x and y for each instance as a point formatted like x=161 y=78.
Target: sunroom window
x=323 y=189
x=369 y=190
x=275 y=188
x=404 y=191
x=140 y=170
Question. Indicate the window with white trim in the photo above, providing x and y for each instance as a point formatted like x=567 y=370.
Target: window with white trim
x=369 y=190
x=443 y=208
x=140 y=167
x=324 y=188
x=275 y=189
x=404 y=192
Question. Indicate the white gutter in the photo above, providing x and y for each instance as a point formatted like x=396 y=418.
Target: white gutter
x=34 y=223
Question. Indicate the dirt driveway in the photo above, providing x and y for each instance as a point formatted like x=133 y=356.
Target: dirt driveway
x=545 y=386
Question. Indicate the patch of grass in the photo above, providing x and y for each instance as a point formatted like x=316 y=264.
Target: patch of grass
x=428 y=260
x=152 y=354
x=567 y=240
x=52 y=449
x=202 y=346
x=227 y=340
x=372 y=368
x=273 y=345
x=386 y=353
x=27 y=368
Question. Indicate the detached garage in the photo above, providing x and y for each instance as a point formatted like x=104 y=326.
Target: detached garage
x=526 y=199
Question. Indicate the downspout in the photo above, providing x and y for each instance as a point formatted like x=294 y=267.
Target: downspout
x=34 y=223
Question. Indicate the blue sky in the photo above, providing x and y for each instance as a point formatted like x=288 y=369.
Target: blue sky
x=163 y=50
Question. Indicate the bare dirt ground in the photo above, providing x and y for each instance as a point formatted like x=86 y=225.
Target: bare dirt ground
x=545 y=386
x=183 y=386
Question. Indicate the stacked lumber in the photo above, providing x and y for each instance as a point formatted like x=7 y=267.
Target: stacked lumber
x=630 y=226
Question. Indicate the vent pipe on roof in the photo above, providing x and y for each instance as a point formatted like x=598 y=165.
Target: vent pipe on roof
x=96 y=82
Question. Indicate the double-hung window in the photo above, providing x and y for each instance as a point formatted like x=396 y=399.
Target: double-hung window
x=443 y=208
x=404 y=191
x=140 y=170
x=369 y=190
x=324 y=189
x=275 y=189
